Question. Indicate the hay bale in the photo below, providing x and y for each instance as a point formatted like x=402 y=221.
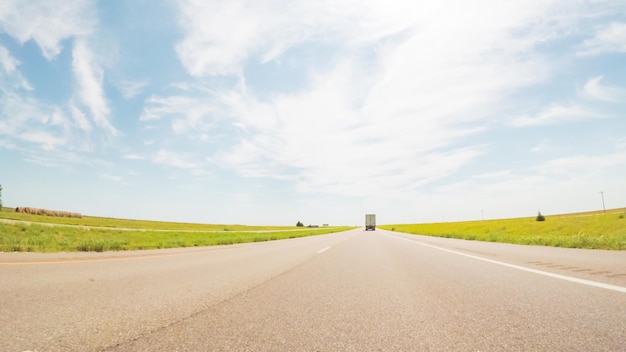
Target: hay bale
x=37 y=211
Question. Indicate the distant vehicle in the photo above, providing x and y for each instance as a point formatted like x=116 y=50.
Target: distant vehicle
x=370 y=222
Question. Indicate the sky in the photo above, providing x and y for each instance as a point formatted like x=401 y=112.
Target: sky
x=272 y=112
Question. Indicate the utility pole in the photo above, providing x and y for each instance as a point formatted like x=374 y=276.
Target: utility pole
x=603 y=207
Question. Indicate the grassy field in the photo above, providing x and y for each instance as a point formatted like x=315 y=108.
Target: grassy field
x=593 y=230
x=9 y=213
x=130 y=234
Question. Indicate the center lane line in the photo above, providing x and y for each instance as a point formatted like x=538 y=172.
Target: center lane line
x=323 y=250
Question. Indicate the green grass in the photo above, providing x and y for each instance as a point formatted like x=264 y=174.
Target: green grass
x=593 y=230
x=9 y=213
x=42 y=238
x=95 y=234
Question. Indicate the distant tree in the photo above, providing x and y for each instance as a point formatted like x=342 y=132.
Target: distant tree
x=540 y=217
x=0 y=197
x=300 y=224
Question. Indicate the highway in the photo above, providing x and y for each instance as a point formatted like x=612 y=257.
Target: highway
x=349 y=291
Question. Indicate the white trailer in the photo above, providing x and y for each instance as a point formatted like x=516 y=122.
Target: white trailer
x=370 y=222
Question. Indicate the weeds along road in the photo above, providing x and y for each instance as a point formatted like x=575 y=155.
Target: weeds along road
x=350 y=291
x=49 y=224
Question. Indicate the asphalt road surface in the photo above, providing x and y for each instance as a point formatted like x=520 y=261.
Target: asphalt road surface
x=350 y=291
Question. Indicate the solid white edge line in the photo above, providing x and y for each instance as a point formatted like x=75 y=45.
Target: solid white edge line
x=534 y=271
x=323 y=250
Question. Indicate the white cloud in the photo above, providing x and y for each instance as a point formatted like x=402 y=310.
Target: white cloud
x=265 y=30
x=593 y=89
x=542 y=146
x=581 y=165
x=89 y=77
x=559 y=185
x=24 y=113
x=47 y=22
x=189 y=115
x=43 y=138
x=205 y=49
x=390 y=112
x=130 y=89
x=157 y=108
x=318 y=140
x=48 y=126
x=132 y=156
x=608 y=39
x=50 y=23
x=114 y=178
x=80 y=118
x=173 y=159
x=54 y=125
x=557 y=114
x=8 y=62
x=493 y=175
x=11 y=73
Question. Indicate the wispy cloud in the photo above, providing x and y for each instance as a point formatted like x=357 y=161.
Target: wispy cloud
x=581 y=165
x=557 y=114
x=30 y=118
x=205 y=50
x=594 y=89
x=79 y=117
x=45 y=139
x=191 y=116
x=133 y=156
x=493 y=175
x=10 y=75
x=541 y=147
x=267 y=30
x=47 y=22
x=620 y=144
x=7 y=61
x=156 y=108
x=52 y=125
x=130 y=89
x=263 y=30
x=89 y=76
x=608 y=39
x=114 y=178
x=324 y=145
x=173 y=159
x=389 y=111
x=560 y=184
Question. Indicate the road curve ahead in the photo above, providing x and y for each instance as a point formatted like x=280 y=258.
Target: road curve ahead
x=350 y=291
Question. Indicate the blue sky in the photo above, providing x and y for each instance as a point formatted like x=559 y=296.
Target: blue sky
x=266 y=112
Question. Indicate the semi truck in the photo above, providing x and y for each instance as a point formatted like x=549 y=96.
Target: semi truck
x=370 y=222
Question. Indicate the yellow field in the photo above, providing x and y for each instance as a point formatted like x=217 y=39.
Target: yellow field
x=594 y=230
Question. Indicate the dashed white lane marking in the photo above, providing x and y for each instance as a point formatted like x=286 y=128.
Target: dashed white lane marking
x=523 y=268
x=323 y=250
